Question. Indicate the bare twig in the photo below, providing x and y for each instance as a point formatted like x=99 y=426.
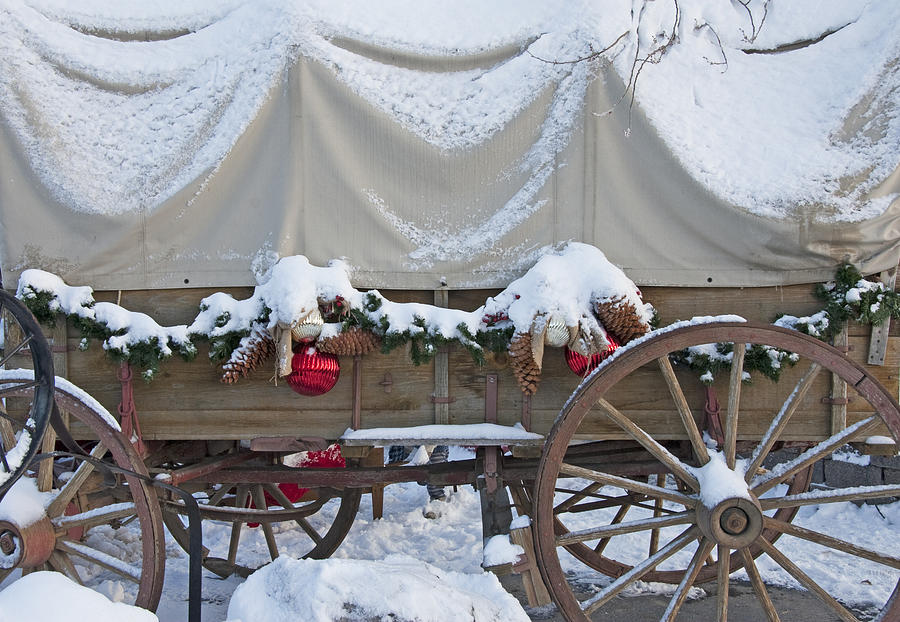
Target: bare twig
x=588 y=57
x=754 y=29
x=724 y=60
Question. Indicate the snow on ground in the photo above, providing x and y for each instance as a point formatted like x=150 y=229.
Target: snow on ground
x=50 y=596
x=442 y=558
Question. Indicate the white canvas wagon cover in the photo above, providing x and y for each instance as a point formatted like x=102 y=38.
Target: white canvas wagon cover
x=190 y=145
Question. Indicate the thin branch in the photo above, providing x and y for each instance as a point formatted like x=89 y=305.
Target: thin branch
x=590 y=56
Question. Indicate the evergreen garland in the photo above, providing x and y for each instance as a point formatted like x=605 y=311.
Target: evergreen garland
x=145 y=355
x=848 y=297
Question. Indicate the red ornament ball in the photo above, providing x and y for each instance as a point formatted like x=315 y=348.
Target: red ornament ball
x=314 y=372
x=583 y=365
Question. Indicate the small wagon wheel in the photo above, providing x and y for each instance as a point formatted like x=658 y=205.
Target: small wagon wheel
x=710 y=511
x=97 y=529
x=312 y=526
x=23 y=345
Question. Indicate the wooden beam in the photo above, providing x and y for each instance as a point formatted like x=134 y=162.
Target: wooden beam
x=442 y=368
x=839 y=388
x=878 y=340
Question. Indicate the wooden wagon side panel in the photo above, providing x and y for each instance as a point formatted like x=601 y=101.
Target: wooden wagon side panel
x=187 y=400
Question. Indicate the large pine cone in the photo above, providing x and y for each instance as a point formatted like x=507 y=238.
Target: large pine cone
x=252 y=352
x=350 y=343
x=620 y=318
x=522 y=362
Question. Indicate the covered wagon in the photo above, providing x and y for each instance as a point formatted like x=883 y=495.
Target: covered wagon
x=360 y=228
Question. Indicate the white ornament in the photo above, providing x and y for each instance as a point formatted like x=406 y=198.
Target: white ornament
x=309 y=328
x=557 y=333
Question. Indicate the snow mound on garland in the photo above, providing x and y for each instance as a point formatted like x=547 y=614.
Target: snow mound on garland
x=360 y=590
x=569 y=282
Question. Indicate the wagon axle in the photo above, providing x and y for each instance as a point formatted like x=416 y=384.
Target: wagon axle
x=28 y=546
x=735 y=522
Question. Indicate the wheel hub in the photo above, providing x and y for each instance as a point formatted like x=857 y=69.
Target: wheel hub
x=734 y=522
x=28 y=546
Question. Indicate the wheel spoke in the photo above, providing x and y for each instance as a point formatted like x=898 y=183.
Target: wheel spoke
x=813 y=454
x=17 y=387
x=687 y=419
x=310 y=530
x=638 y=571
x=45 y=468
x=601 y=505
x=830 y=496
x=831 y=542
x=67 y=493
x=240 y=501
x=99 y=558
x=662 y=454
x=609 y=531
x=618 y=518
x=15 y=350
x=724 y=570
x=628 y=484
x=218 y=495
x=734 y=402
x=5 y=443
x=779 y=558
x=63 y=563
x=259 y=499
x=687 y=581
x=758 y=586
x=279 y=496
x=92 y=518
x=777 y=426
x=654 y=534
x=577 y=496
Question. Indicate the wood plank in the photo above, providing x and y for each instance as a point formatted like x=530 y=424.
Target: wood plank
x=442 y=368
x=187 y=401
x=839 y=389
x=879 y=337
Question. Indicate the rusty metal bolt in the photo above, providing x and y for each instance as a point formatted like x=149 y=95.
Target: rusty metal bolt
x=7 y=543
x=734 y=521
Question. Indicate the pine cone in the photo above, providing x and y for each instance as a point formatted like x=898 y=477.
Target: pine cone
x=620 y=318
x=350 y=343
x=253 y=350
x=522 y=362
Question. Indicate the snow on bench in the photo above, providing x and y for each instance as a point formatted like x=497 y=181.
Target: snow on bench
x=474 y=434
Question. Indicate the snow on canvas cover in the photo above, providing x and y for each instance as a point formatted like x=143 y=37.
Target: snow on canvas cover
x=484 y=133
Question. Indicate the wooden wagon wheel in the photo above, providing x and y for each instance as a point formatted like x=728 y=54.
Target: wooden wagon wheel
x=313 y=518
x=91 y=521
x=23 y=345
x=716 y=509
x=622 y=503
x=587 y=497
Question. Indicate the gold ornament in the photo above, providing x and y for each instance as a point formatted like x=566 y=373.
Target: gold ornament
x=308 y=328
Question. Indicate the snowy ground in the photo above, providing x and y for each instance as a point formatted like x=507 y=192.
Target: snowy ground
x=449 y=555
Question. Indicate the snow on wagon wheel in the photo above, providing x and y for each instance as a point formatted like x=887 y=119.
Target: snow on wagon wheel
x=24 y=345
x=711 y=511
x=104 y=531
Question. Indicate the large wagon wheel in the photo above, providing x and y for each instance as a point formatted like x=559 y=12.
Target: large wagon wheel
x=97 y=529
x=24 y=344
x=312 y=526
x=711 y=512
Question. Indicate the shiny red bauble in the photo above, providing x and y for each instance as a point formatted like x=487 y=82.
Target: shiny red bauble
x=583 y=365
x=314 y=372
